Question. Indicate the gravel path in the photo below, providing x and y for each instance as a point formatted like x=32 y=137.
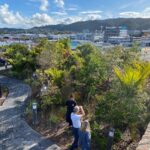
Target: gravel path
x=15 y=134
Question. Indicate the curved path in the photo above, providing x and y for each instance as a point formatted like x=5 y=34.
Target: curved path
x=15 y=134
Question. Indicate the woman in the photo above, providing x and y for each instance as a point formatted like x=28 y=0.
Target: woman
x=70 y=103
x=85 y=136
x=76 y=117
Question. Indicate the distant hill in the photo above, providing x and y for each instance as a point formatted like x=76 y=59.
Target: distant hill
x=11 y=30
x=130 y=23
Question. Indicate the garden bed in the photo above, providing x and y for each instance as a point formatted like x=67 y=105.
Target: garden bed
x=53 y=128
x=57 y=130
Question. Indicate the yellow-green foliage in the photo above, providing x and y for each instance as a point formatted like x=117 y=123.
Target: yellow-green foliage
x=55 y=74
x=134 y=75
x=21 y=59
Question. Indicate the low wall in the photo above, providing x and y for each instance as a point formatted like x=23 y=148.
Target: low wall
x=144 y=144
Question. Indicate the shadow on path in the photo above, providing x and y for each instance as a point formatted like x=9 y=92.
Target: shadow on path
x=15 y=134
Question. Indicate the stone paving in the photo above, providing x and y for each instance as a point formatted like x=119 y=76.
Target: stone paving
x=145 y=141
x=15 y=134
x=3 y=68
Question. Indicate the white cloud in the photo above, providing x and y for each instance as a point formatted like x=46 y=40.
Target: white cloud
x=91 y=12
x=108 y=15
x=39 y=20
x=59 y=13
x=131 y=14
x=72 y=9
x=10 y=19
x=90 y=15
x=69 y=20
x=60 y=3
x=147 y=10
x=131 y=4
x=72 y=19
x=44 y=5
x=93 y=17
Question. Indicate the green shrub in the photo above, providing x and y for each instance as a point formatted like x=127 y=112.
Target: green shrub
x=54 y=119
x=117 y=135
x=98 y=141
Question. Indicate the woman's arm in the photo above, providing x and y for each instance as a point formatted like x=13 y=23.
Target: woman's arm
x=75 y=103
x=82 y=111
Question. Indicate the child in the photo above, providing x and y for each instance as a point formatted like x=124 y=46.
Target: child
x=85 y=136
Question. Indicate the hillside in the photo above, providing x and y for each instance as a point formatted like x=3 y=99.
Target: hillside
x=138 y=23
x=131 y=23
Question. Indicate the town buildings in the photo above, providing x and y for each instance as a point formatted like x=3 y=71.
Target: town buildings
x=106 y=36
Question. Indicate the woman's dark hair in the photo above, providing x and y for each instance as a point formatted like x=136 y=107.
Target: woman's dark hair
x=71 y=95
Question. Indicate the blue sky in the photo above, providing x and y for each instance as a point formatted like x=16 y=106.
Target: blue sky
x=29 y=13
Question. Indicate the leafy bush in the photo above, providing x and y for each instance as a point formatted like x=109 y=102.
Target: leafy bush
x=117 y=135
x=54 y=119
x=21 y=59
x=113 y=83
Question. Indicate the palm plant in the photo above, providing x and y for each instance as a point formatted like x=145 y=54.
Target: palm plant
x=134 y=76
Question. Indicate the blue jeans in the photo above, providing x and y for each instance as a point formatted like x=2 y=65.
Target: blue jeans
x=85 y=148
x=76 y=137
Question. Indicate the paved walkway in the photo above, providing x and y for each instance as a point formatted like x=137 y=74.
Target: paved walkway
x=3 y=67
x=15 y=134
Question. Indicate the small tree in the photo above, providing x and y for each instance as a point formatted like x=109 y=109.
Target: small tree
x=133 y=77
x=21 y=59
x=125 y=103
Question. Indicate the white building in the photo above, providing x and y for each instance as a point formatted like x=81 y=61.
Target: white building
x=98 y=37
x=119 y=40
x=145 y=41
x=123 y=32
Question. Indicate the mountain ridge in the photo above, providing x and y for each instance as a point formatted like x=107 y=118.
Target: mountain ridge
x=91 y=25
